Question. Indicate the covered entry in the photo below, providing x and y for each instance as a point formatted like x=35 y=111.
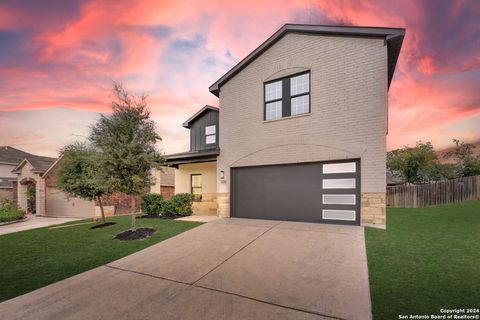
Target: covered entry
x=327 y=192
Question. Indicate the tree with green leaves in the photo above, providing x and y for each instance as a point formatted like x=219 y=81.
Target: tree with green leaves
x=468 y=162
x=414 y=164
x=126 y=140
x=78 y=174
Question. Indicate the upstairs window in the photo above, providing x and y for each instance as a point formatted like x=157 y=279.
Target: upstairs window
x=287 y=97
x=211 y=134
x=273 y=100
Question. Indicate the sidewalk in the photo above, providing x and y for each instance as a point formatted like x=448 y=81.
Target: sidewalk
x=33 y=222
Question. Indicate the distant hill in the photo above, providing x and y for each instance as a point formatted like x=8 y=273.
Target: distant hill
x=441 y=154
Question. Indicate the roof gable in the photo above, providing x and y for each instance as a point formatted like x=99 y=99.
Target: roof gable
x=393 y=37
x=188 y=123
x=39 y=164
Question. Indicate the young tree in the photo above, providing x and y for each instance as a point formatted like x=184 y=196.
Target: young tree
x=468 y=162
x=413 y=163
x=78 y=174
x=126 y=140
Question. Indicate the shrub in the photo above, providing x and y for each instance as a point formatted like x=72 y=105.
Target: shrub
x=152 y=203
x=179 y=205
x=182 y=203
x=168 y=209
x=10 y=212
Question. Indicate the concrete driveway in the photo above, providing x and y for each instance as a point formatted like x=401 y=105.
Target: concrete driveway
x=33 y=222
x=225 y=269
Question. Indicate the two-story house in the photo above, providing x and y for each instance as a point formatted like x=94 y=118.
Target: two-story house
x=300 y=133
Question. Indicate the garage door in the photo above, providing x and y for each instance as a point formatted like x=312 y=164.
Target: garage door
x=327 y=192
x=58 y=205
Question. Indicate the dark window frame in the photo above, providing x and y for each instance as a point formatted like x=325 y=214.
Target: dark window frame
x=286 y=95
x=192 y=187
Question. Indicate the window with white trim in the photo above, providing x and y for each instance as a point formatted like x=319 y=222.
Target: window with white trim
x=210 y=134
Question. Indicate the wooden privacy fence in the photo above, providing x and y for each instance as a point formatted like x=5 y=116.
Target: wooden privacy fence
x=430 y=194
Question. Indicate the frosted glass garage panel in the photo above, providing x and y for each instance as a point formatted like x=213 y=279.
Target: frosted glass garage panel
x=345 y=167
x=338 y=183
x=338 y=199
x=348 y=215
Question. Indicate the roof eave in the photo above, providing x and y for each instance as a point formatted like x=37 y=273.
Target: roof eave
x=174 y=160
x=387 y=33
x=186 y=124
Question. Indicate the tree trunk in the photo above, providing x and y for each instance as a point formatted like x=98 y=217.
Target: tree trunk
x=134 y=221
x=101 y=209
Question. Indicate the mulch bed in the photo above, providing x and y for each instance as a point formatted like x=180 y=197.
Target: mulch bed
x=141 y=233
x=103 y=225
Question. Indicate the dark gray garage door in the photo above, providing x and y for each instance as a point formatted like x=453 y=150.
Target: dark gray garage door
x=327 y=192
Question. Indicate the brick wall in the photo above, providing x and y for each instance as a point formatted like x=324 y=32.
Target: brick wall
x=121 y=202
x=15 y=192
x=6 y=194
x=348 y=116
x=167 y=191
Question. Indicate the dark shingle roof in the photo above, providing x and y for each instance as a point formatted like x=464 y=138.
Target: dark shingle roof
x=11 y=155
x=393 y=179
x=16 y=156
x=41 y=164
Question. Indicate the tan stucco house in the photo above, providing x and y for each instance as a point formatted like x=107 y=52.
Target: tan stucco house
x=300 y=132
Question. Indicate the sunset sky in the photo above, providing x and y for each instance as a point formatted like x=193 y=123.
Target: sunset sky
x=58 y=59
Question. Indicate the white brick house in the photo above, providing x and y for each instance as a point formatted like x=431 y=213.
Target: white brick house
x=300 y=133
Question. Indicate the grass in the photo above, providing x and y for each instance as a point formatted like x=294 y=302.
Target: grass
x=427 y=259
x=35 y=258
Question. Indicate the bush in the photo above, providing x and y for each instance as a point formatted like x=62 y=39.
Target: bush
x=168 y=209
x=179 y=205
x=10 y=212
x=152 y=203
x=182 y=203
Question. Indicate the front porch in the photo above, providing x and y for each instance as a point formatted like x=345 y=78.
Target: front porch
x=196 y=173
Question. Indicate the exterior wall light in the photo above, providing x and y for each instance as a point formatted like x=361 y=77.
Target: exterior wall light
x=222 y=174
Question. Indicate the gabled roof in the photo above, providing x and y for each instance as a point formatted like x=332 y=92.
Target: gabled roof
x=12 y=156
x=53 y=165
x=187 y=123
x=393 y=37
x=39 y=164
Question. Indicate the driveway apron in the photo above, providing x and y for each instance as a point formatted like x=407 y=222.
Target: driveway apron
x=225 y=269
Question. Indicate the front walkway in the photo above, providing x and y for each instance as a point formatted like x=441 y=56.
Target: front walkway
x=33 y=222
x=225 y=269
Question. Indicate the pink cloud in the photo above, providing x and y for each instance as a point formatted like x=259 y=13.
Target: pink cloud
x=173 y=50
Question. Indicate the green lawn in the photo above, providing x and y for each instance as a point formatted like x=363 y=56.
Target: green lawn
x=427 y=259
x=35 y=258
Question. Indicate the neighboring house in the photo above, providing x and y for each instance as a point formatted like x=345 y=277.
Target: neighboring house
x=394 y=180
x=301 y=129
x=10 y=159
x=36 y=172
x=164 y=182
